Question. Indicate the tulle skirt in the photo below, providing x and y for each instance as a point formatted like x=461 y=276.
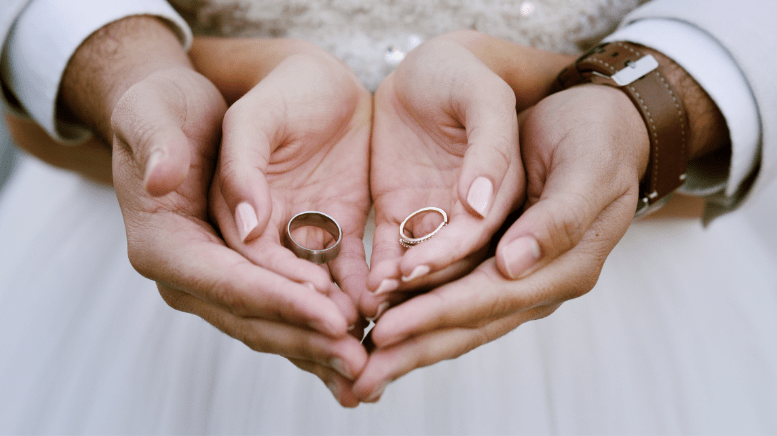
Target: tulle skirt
x=678 y=336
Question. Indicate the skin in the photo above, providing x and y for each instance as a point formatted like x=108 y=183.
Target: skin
x=165 y=123
x=422 y=153
x=584 y=151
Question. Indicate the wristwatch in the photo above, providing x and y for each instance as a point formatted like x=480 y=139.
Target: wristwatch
x=621 y=65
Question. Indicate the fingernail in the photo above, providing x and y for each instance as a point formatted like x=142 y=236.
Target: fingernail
x=387 y=285
x=520 y=255
x=339 y=365
x=332 y=386
x=245 y=219
x=381 y=308
x=351 y=327
x=152 y=162
x=479 y=195
x=420 y=270
x=377 y=392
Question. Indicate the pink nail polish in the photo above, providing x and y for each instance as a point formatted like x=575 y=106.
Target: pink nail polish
x=479 y=196
x=387 y=285
x=338 y=365
x=420 y=270
x=381 y=308
x=520 y=255
x=245 y=220
x=377 y=392
x=332 y=386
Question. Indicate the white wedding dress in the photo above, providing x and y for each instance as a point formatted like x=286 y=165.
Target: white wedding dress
x=678 y=336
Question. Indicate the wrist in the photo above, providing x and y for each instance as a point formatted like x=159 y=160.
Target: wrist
x=529 y=71
x=235 y=65
x=110 y=61
x=707 y=126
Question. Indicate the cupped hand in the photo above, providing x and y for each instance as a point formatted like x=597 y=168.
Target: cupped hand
x=298 y=141
x=167 y=129
x=445 y=135
x=584 y=150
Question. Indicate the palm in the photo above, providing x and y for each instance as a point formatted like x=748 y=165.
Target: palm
x=305 y=132
x=429 y=133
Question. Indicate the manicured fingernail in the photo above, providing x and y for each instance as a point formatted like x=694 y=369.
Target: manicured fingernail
x=381 y=308
x=338 y=365
x=332 y=386
x=245 y=219
x=152 y=162
x=479 y=195
x=420 y=270
x=520 y=255
x=387 y=285
x=377 y=393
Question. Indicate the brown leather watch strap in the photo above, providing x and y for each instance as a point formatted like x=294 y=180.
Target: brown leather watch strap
x=620 y=64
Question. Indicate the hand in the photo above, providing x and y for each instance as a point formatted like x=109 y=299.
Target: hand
x=584 y=150
x=165 y=121
x=445 y=135
x=296 y=141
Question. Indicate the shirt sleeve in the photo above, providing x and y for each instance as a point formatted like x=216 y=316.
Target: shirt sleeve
x=43 y=38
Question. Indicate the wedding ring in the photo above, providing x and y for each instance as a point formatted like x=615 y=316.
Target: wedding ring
x=322 y=221
x=409 y=242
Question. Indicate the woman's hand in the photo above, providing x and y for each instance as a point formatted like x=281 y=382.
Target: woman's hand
x=295 y=139
x=298 y=141
x=445 y=135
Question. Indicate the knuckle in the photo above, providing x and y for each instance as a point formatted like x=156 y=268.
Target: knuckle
x=567 y=225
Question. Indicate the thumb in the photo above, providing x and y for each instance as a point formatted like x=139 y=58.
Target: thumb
x=491 y=170
x=147 y=121
x=571 y=205
x=490 y=119
x=242 y=169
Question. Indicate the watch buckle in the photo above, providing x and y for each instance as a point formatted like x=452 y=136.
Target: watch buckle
x=633 y=71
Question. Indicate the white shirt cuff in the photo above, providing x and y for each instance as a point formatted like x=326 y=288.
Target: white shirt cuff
x=699 y=54
x=44 y=37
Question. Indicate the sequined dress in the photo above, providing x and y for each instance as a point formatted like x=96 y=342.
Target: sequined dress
x=677 y=336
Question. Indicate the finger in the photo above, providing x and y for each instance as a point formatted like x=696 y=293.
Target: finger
x=339 y=386
x=344 y=355
x=388 y=364
x=242 y=168
x=386 y=253
x=349 y=270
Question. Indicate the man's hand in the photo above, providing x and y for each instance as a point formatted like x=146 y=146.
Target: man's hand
x=132 y=82
x=585 y=150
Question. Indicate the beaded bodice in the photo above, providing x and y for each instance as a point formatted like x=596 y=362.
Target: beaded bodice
x=372 y=36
